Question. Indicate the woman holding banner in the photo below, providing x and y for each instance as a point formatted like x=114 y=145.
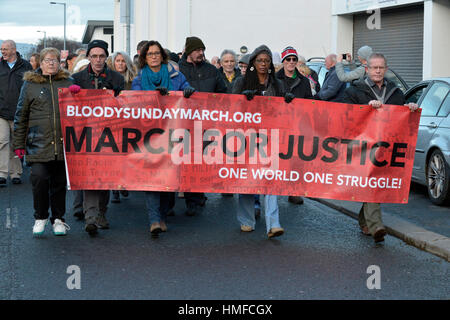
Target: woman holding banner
x=260 y=80
x=37 y=136
x=157 y=74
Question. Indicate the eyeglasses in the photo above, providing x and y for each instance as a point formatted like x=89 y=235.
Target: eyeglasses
x=289 y=59
x=153 y=54
x=95 y=57
x=377 y=68
x=50 y=61
x=261 y=61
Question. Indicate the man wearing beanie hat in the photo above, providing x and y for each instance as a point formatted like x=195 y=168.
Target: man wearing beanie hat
x=295 y=83
x=97 y=76
x=363 y=54
x=203 y=77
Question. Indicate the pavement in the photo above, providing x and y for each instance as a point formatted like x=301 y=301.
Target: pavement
x=410 y=233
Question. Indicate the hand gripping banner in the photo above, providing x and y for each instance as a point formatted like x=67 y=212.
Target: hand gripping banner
x=222 y=143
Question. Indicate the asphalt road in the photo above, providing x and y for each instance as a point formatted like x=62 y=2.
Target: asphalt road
x=321 y=256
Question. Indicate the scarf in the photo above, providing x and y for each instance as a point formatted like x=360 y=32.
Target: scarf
x=152 y=80
x=100 y=79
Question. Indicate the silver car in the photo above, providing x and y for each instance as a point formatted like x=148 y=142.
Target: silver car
x=432 y=157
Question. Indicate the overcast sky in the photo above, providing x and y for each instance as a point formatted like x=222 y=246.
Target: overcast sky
x=20 y=19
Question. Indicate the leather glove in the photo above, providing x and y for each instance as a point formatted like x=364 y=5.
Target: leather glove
x=162 y=90
x=19 y=153
x=74 y=89
x=288 y=97
x=250 y=94
x=188 y=91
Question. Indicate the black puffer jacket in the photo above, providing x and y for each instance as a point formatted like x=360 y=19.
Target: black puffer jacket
x=299 y=86
x=11 y=81
x=111 y=80
x=37 y=126
x=203 y=77
x=359 y=93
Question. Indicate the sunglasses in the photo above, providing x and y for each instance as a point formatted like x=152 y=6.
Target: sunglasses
x=289 y=59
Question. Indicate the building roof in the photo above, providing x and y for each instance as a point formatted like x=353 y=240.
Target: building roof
x=90 y=27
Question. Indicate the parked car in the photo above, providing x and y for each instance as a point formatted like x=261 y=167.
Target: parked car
x=318 y=65
x=432 y=157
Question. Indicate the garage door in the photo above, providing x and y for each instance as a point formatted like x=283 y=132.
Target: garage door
x=400 y=39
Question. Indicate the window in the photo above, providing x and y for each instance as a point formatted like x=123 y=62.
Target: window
x=445 y=107
x=433 y=98
x=414 y=96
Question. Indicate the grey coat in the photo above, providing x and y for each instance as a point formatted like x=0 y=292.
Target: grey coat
x=356 y=74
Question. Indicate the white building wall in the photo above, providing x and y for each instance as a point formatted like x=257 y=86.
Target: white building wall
x=230 y=24
x=436 y=39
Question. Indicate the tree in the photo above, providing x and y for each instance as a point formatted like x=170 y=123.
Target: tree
x=58 y=43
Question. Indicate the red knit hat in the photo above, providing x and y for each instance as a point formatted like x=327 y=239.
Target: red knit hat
x=288 y=51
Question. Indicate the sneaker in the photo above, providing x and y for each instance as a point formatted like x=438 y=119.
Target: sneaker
x=245 y=228
x=124 y=193
x=378 y=236
x=39 y=226
x=275 y=232
x=101 y=221
x=295 y=199
x=60 y=228
x=163 y=226
x=2 y=182
x=91 y=228
x=115 y=197
x=155 y=229
x=16 y=181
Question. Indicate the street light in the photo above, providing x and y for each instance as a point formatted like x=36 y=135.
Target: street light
x=45 y=38
x=64 y=4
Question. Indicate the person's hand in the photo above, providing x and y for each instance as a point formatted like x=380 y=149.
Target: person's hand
x=375 y=104
x=339 y=58
x=162 y=90
x=188 y=91
x=412 y=106
x=288 y=97
x=20 y=153
x=349 y=57
x=74 y=89
x=250 y=94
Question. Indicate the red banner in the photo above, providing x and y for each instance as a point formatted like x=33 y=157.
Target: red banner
x=222 y=143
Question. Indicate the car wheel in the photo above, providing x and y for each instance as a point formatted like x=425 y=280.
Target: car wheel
x=438 y=179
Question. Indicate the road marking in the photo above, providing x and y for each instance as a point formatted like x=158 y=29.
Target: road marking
x=12 y=222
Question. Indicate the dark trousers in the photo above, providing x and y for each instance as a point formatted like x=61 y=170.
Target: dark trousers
x=95 y=202
x=194 y=198
x=77 y=200
x=48 y=181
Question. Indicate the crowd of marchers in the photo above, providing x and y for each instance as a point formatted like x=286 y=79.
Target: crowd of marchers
x=30 y=122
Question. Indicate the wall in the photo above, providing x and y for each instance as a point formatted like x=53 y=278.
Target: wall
x=230 y=24
x=436 y=39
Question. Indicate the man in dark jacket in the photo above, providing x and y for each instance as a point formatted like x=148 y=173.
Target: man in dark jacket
x=375 y=91
x=203 y=77
x=295 y=83
x=332 y=88
x=12 y=69
x=97 y=76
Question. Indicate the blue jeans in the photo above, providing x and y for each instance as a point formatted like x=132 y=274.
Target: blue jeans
x=246 y=211
x=158 y=204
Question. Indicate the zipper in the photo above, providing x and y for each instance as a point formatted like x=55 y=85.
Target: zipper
x=54 y=116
